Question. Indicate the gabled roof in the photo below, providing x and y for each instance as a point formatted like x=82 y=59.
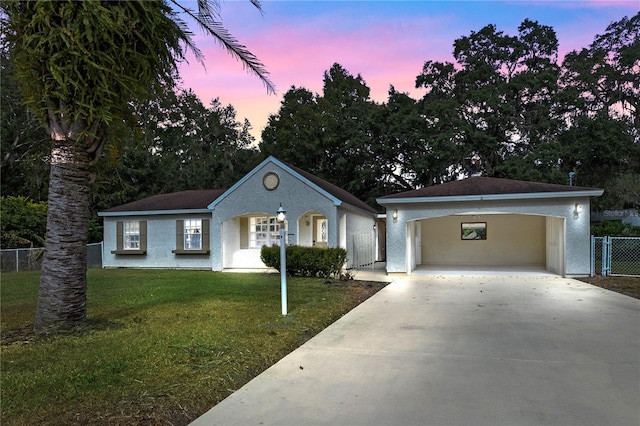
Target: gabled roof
x=175 y=201
x=336 y=191
x=489 y=188
x=204 y=200
x=331 y=191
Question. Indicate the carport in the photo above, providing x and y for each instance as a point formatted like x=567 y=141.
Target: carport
x=489 y=222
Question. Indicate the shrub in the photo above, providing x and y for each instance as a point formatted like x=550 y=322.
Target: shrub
x=307 y=261
x=23 y=222
x=615 y=229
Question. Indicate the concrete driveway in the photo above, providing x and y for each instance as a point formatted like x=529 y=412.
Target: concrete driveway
x=453 y=350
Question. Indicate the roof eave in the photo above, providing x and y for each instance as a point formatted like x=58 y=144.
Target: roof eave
x=357 y=209
x=491 y=197
x=153 y=212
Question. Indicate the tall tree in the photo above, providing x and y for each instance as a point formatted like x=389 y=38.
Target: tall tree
x=81 y=65
x=441 y=156
x=598 y=103
x=346 y=109
x=327 y=134
x=501 y=93
x=23 y=158
x=294 y=134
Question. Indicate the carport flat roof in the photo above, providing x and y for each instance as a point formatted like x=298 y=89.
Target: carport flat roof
x=488 y=188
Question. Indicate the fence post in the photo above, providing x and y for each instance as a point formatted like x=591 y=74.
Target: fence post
x=592 y=267
x=606 y=256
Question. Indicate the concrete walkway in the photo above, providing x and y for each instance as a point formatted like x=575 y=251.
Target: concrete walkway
x=453 y=350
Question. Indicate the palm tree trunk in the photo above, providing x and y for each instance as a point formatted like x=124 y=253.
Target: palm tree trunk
x=63 y=283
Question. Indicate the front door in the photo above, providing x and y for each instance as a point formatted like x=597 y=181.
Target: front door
x=320 y=234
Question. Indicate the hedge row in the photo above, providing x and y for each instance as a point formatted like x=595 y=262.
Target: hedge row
x=307 y=261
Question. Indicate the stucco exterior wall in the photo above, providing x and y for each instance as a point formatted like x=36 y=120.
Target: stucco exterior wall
x=250 y=197
x=161 y=239
x=511 y=240
x=577 y=242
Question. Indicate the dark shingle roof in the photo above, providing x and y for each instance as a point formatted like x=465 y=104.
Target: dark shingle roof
x=334 y=190
x=184 y=200
x=485 y=186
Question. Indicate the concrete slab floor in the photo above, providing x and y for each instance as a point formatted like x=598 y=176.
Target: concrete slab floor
x=455 y=350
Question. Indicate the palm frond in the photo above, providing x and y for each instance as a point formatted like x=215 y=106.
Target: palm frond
x=208 y=18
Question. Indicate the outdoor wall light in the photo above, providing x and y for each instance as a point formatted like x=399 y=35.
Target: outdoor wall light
x=281 y=216
x=577 y=210
x=395 y=215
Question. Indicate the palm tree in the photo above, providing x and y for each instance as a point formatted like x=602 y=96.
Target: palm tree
x=81 y=66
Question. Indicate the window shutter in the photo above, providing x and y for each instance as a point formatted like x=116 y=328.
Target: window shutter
x=119 y=236
x=205 y=234
x=179 y=234
x=244 y=232
x=143 y=235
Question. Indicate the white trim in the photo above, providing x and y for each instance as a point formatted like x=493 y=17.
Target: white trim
x=490 y=197
x=153 y=212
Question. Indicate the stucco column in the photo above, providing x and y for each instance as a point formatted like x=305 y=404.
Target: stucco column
x=578 y=241
x=216 y=244
x=396 y=242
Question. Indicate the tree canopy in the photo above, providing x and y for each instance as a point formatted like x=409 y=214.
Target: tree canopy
x=506 y=99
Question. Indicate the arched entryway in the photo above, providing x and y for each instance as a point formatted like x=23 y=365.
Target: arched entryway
x=313 y=230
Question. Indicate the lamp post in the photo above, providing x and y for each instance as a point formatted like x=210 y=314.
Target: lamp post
x=281 y=216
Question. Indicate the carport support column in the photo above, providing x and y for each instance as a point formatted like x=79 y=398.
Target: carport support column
x=396 y=242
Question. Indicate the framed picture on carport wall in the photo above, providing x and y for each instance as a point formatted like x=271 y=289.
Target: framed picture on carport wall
x=473 y=231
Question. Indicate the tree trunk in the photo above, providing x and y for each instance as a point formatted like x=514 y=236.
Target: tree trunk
x=63 y=283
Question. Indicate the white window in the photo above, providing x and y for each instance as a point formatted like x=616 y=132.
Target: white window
x=193 y=234
x=263 y=231
x=131 y=233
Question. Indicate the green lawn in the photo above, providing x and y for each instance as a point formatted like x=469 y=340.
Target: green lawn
x=160 y=347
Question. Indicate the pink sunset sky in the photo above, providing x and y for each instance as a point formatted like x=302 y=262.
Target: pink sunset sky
x=386 y=42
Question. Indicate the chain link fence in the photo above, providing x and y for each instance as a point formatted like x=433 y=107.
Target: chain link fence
x=30 y=259
x=615 y=256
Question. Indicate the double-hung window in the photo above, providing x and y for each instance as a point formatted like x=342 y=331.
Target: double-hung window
x=131 y=231
x=131 y=237
x=192 y=236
